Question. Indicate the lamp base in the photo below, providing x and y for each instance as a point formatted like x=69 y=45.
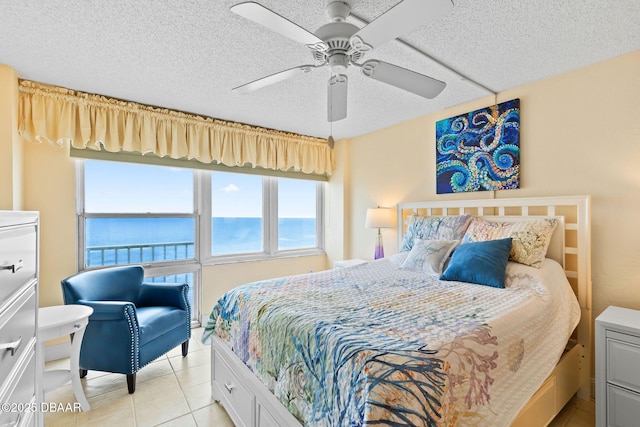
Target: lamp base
x=379 y=253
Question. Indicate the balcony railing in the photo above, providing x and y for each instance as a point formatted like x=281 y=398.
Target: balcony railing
x=96 y=256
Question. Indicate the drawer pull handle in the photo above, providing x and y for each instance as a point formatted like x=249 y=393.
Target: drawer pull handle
x=229 y=387
x=13 y=267
x=11 y=346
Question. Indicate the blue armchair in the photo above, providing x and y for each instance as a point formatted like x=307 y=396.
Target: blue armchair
x=133 y=323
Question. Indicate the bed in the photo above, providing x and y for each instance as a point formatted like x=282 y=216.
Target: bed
x=379 y=343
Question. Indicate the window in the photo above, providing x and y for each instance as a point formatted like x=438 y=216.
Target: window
x=173 y=220
x=297 y=214
x=236 y=207
x=139 y=214
x=255 y=217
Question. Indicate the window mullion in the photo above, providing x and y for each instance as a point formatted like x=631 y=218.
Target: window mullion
x=272 y=219
x=80 y=215
x=266 y=225
x=320 y=215
x=203 y=211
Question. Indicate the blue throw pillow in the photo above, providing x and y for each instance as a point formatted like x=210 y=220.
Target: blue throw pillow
x=483 y=263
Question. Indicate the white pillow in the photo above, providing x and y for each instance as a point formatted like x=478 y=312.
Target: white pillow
x=531 y=237
x=429 y=256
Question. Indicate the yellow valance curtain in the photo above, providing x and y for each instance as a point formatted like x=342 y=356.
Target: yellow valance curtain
x=87 y=121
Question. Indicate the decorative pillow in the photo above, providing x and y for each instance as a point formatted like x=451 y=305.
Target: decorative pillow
x=429 y=256
x=531 y=238
x=483 y=263
x=434 y=228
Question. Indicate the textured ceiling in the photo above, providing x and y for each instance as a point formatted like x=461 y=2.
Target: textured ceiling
x=187 y=55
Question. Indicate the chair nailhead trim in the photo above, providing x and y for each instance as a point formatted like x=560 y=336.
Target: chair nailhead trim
x=185 y=290
x=133 y=332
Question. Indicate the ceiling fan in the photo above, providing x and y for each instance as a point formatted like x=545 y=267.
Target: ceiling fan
x=339 y=45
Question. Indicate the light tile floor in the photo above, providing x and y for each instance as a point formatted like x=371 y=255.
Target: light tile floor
x=576 y=413
x=172 y=391
x=175 y=391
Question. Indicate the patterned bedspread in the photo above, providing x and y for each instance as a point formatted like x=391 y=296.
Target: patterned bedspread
x=378 y=345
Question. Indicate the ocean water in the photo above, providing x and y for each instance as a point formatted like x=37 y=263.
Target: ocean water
x=112 y=241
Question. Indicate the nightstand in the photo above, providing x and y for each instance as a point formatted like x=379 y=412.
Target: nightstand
x=347 y=263
x=618 y=367
x=58 y=321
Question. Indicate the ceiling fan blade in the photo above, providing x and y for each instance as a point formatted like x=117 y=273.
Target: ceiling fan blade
x=399 y=20
x=337 y=98
x=268 y=18
x=273 y=78
x=404 y=79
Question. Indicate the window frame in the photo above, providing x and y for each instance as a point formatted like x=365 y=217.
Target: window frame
x=160 y=268
x=269 y=225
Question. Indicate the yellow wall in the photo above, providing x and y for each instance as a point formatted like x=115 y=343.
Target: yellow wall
x=336 y=205
x=580 y=134
x=49 y=187
x=11 y=159
x=218 y=279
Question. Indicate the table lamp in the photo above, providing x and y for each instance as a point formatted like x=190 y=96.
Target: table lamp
x=378 y=218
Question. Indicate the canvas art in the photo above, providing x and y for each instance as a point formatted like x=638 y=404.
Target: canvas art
x=480 y=150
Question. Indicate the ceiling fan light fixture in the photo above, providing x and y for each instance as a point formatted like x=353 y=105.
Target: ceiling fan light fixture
x=336 y=37
x=338 y=62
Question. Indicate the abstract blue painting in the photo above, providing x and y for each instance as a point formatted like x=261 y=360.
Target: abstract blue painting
x=480 y=150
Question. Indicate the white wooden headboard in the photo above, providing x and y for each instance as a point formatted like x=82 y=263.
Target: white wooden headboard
x=570 y=244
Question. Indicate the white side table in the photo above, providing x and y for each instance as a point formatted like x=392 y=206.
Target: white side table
x=347 y=263
x=57 y=321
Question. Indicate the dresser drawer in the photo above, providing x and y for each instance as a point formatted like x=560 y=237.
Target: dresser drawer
x=623 y=407
x=231 y=389
x=21 y=395
x=17 y=258
x=17 y=329
x=623 y=363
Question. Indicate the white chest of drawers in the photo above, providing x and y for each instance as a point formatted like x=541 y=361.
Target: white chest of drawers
x=618 y=368
x=19 y=392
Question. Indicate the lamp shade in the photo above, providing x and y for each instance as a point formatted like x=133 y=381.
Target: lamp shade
x=378 y=218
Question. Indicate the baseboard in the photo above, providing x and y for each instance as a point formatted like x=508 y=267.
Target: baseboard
x=57 y=351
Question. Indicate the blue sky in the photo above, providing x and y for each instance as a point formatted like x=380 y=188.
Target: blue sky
x=112 y=187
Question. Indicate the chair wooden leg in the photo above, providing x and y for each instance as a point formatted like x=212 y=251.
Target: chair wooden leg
x=185 y=348
x=83 y=372
x=131 y=382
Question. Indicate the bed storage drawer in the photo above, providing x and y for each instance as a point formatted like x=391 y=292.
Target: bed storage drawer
x=235 y=395
x=623 y=360
x=541 y=408
x=17 y=259
x=264 y=418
